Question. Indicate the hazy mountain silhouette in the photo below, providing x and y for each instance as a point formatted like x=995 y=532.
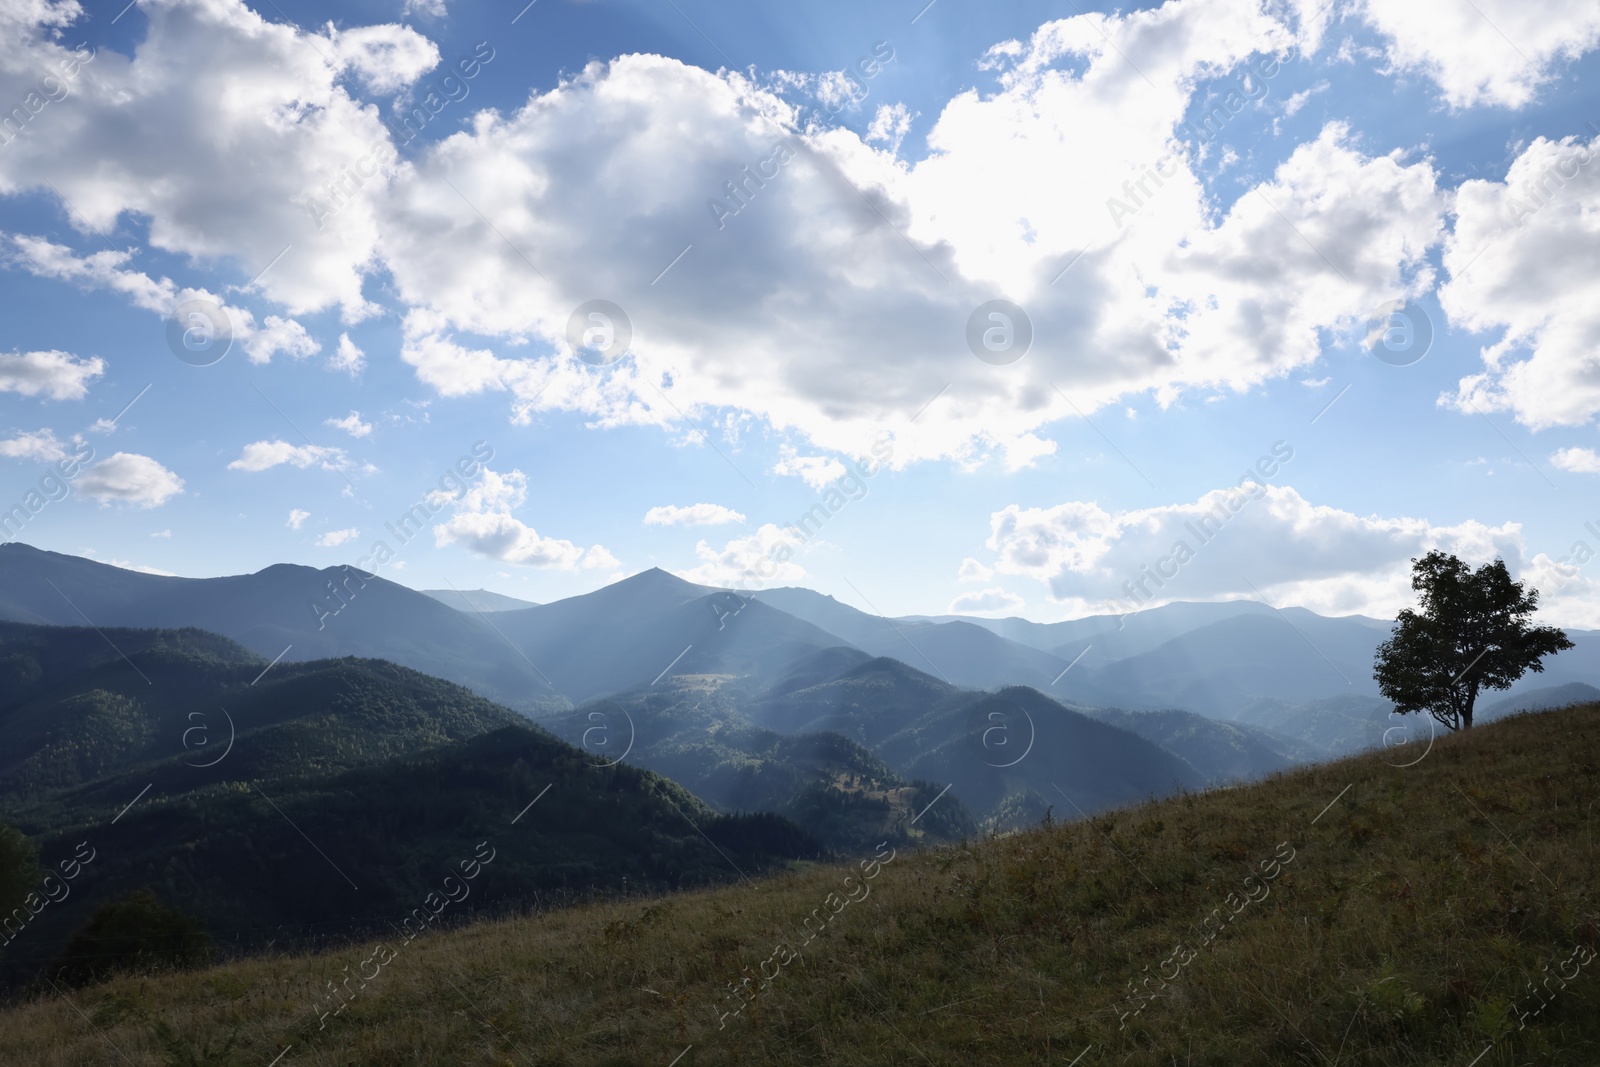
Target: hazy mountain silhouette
x=1549 y=696
x=476 y=600
x=654 y=625
x=313 y=614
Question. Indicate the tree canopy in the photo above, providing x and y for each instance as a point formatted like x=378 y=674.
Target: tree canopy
x=19 y=868
x=1471 y=632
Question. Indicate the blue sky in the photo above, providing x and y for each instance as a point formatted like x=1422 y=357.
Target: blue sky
x=1433 y=160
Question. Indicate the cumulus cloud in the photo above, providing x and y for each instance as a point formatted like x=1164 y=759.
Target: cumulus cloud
x=53 y=374
x=1524 y=260
x=759 y=559
x=483 y=522
x=993 y=601
x=1494 y=52
x=818 y=472
x=804 y=308
x=974 y=571
x=297 y=518
x=276 y=335
x=335 y=538
x=834 y=302
x=264 y=455
x=351 y=424
x=42 y=445
x=129 y=478
x=889 y=126
x=829 y=293
x=692 y=515
x=1576 y=460
x=384 y=59
x=218 y=129
x=348 y=357
x=598 y=558
x=107 y=270
x=1230 y=543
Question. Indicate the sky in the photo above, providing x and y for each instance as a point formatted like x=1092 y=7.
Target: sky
x=998 y=310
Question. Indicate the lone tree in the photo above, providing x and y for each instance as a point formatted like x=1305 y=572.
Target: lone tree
x=1471 y=633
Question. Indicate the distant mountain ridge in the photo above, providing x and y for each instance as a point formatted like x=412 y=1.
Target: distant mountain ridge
x=1550 y=696
x=1227 y=660
x=477 y=600
x=298 y=613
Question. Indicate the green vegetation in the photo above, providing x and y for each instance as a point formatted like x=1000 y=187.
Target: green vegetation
x=1473 y=633
x=19 y=870
x=1440 y=914
x=694 y=730
x=135 y=934
x=317 y=801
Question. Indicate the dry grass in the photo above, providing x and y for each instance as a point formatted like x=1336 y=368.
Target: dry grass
x=1405 y=930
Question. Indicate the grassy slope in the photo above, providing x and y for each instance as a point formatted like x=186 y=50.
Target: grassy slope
x=1406 y=927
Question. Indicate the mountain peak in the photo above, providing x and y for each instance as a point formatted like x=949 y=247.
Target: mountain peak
x=657 y=579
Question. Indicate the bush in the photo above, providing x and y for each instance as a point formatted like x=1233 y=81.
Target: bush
x=135 y=934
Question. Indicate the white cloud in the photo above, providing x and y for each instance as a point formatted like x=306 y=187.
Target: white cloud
x=482 y=521
x=693 y=515
x=834 y=304
x=296 y=518
x=807 y=310
x=53 y=374
x=1576 y=460
x=987 y=602
x=217 y=131
x=598 y=558
x=278 y=335
x=1525 y=260
x=129 y=478
x=351 y=424
x=1487 y=52
x=889 y=126
x=349 y=357
x=106 y=270
x=42 y=445
x=974 y=571
x=818 y=472
x=384 y=59
x=1293 y=551
x=264 y=455
x=759 y=559
x=335 y=538
x=165 y=535
x=429 y=8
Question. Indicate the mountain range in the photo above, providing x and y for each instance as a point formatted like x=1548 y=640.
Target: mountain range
x=287 y=803
x=296 y=747
x=1277 y=669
